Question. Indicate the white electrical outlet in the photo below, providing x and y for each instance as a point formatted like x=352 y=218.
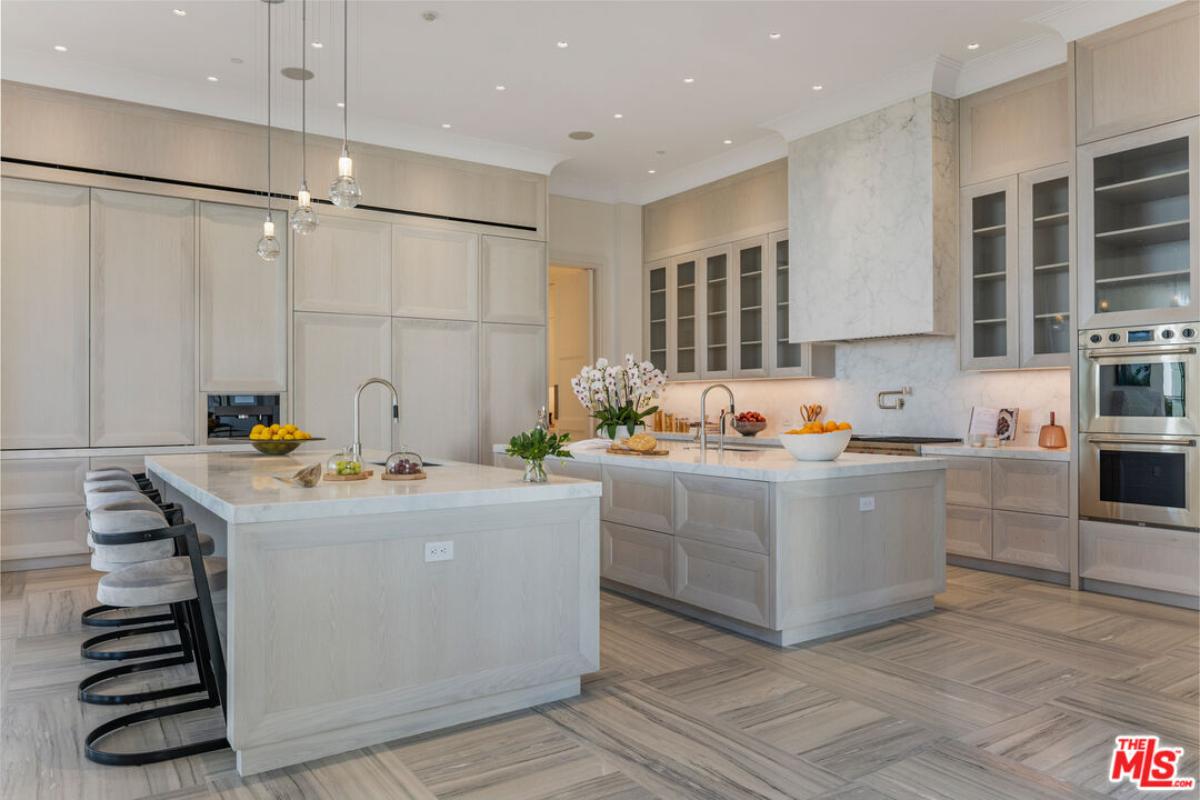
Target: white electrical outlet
x=866 y=503
x=439 y=551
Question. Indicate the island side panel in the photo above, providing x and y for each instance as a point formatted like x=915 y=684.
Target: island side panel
x=839 y=567
x=342 y=635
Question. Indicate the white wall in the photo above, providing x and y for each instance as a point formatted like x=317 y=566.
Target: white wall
x=940 y=404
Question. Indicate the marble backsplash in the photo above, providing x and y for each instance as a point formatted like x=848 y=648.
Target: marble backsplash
x=940 y=404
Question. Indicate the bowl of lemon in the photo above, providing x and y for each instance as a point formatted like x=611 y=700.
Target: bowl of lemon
x=817 y=441
x=279 y=440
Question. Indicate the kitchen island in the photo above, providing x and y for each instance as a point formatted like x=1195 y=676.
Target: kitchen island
x=774 y=548
x=345 y=628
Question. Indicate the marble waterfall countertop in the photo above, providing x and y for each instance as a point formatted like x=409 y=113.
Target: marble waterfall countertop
x=241 y=487
x=759 y=464
x=1031 y=452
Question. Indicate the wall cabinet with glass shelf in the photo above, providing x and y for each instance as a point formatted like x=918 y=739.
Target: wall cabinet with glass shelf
x=1137 y=214
x=716 y=329
x=1016 y=267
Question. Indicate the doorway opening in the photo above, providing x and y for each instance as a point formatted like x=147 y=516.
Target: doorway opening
x=569 y=346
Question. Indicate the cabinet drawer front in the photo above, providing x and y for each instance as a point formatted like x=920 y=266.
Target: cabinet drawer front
x=969 y=531
x=1154 y=558
x=721 y=579
x=43 y=532
x=1025 y=485
x=1034 y=540
x=42 y=483
x=723 y=511
x=638 y=558
x=969 y=482
x=638 y=497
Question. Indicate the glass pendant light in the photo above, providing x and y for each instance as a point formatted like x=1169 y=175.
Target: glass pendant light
x=268 y=245
x=344 y=191
x=304 y=217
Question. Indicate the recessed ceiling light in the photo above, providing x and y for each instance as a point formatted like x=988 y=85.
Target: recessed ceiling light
x=62 y=48
x=213 y=79
x=318 y=45
x=651 y=171
x=179 y=12
x=500 y=87
x=689 y=80
x=341 y=104
x=236 y=60
x=447 y=125
x=618 y=116
x=775 y=35
x=728 y=141
x=580 y=136
x=429 y=16
x=563 y=45
x=973 y=46
x=660 y=152
x=297 y=74
x=817 y=87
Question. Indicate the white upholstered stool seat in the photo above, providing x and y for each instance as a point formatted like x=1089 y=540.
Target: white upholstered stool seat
x=107 y=473
x=153 y=583
x=111 y=485
x=98 y=500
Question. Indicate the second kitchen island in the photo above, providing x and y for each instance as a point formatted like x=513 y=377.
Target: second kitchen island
x=774 y=548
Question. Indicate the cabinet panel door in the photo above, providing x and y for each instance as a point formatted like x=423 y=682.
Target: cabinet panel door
x=345 y=265
x=143 y=372
x=43 y=532
x=724 y=511
x=730 y=582
x=42 y=482
x=969 y=531
x=717 y=271
x=44 y=318
x=512 y=385
x=988 y=329
x=1032 y=540
x=637 y=558
x=243 y=303
x=1154 y=558
x=643 y=498
x=1044 y=262
x=685 y=316
x=750 y=308
x=1020 y=484
x=435 y=274
x=514 y=281
x=435 y=367
x=969 y=482
x=333 y=354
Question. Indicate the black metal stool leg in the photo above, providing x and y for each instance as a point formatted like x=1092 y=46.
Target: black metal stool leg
x=86 y=695
x=91 y=619
x=87 y=648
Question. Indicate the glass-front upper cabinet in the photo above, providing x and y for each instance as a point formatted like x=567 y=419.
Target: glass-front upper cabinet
x=750 y=302
x=1137 y=219
x=1045 y=267
x=657 y=323
x=715 y=268
x=687 y=301
x=989 y=332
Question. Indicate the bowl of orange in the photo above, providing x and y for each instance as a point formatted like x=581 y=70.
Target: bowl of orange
x=279 y=440
x=817 y=441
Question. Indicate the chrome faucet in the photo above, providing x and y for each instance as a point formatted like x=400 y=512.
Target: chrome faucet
x=898 y=403
x=356 y=448
x=704 y=418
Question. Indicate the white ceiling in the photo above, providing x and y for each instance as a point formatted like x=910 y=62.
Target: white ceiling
x=409 y=76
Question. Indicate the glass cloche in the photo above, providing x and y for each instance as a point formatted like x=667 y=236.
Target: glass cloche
x=404 y=465
x=344 y=464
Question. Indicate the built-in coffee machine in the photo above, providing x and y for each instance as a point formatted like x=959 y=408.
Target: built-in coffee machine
x=231 y=416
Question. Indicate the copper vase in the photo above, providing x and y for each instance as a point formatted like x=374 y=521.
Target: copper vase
x=1052 y=436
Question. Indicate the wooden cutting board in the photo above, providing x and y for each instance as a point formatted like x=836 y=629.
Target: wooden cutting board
x=624 y=452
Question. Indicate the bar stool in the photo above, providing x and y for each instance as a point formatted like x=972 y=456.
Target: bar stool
x=110 y=473
x=185 y=583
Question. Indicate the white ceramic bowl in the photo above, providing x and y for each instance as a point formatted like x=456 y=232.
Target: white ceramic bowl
x=815 y=446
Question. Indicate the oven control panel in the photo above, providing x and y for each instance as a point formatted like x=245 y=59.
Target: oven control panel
x=1140 y=336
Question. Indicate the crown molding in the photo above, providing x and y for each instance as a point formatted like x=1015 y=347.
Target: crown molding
x=1076 y=20
x=1017 y=60
x=768 y=147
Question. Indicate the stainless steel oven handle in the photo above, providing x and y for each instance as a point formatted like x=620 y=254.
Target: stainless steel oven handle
x=1170 y=442
x=1149 y=351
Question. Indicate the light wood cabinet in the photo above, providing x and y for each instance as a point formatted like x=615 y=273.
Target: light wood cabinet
x=988 y=288
x=439 y=406
x=732 y=582
x=1138 y=75
x=344 y=266
x=750 y=308
x=515 y=281
x=331 y=355
x=725 y=511
x=512 y=384
x=715 y=312
x=1044 y=266
x=969 y=531
x=785 y=358
x=143 y=320
x=44 y=315
x=638 y=558
x=969 y=482
x=685 y=316
x=38 y=533
x=435 y=273
x=243 y=303
x=642 y=498
x=657 y=328
x=1152 y=558
x=1027 y=485
x=1033 y=540
x=1014 y=127
x=42 y=482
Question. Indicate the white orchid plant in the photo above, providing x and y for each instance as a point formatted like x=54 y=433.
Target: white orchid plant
x=619 y=395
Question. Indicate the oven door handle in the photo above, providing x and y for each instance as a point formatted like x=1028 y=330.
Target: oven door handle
x=1166 y=442
x=1149 y=351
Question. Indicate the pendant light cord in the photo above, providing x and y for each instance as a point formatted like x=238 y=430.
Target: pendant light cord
x=304 y=91
x=268 y=5
x=345 y=69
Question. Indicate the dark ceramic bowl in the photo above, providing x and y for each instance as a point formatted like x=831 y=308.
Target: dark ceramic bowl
x=748 y=428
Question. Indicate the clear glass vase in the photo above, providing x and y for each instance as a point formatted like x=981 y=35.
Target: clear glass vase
x=535 y=471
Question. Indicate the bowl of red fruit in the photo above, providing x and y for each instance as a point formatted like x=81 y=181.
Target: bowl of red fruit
x=749 y=423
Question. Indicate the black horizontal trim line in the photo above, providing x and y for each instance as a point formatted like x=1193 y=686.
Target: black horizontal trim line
x=256 y=193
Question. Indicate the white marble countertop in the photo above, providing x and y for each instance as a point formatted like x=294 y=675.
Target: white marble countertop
x=759 y=464
x=1032 y=453
x=121 y=452
x=240 y=487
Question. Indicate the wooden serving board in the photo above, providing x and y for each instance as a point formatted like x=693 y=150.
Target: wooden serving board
x=362 y=476
x=624 y=452
x=420 y=476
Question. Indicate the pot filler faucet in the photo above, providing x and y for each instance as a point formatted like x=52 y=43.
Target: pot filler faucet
x=357 y=446
x=703 y=424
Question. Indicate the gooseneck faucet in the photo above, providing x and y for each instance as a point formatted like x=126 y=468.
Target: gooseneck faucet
x=356 y=448
x=704 y=418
